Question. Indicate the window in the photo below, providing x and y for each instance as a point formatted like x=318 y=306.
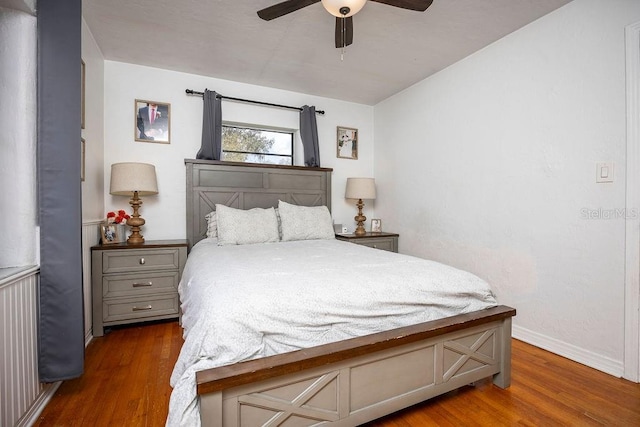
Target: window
x=243 y=144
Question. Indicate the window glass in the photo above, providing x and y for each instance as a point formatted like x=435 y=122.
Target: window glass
x=243 y=144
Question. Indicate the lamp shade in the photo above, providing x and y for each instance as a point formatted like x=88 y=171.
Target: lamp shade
x=360 y=188
x=127 y=178
x=334 y=6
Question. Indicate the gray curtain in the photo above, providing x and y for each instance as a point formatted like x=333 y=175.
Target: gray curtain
x=211 y=148
x=61 y=320
x=309 y=135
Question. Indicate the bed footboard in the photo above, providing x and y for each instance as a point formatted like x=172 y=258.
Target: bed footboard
x=358 y=380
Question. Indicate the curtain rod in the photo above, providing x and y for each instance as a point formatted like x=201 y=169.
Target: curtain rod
x=193 y=92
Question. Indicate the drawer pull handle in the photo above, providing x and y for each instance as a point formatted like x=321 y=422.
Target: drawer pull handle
x=141 y=261
x=142 y=308
x=141 y=285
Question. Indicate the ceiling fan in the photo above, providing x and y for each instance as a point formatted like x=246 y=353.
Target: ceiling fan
x=343 y=10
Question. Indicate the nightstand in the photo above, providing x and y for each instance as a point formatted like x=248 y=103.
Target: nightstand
x=135 y=283
x=384 y=241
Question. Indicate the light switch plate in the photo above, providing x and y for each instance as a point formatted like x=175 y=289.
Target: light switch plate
x=604 y=172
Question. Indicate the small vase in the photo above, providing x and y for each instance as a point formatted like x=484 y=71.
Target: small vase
x=121 y=233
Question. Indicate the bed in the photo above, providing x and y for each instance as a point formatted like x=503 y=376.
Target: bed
x=347 y=381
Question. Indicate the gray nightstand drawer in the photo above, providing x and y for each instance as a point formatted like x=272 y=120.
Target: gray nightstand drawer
x=379 y=240
x=135 y=283
x=129 y=261
x=124 y=285
x=384 y=244
x=131 y=309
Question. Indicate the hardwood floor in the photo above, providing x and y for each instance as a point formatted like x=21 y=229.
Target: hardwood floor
x=126 y=380
x=546 y=390
x=126 y=383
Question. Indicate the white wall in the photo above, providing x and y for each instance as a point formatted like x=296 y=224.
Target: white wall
x=18 y=115
x=93 y=132
x=490 y=166
x=93 y=185
x=165 y=213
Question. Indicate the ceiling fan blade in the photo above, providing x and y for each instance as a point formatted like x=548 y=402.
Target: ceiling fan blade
x=419 y=5
x=281 y=9
x=345 y=30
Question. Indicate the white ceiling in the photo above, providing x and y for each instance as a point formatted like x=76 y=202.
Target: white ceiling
x=392 y=49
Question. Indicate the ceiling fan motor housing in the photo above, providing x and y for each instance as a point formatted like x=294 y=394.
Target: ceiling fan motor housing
x=337 y=7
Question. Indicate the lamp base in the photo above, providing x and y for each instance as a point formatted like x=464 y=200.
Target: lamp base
x=360 y=231
x=135 y=222
x=135 y=239
x=360 y=219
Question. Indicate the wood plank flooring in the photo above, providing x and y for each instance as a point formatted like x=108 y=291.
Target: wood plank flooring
x=126 y=383
x=126 y=380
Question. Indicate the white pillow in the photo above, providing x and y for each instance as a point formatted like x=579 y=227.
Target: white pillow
x=240 y=227
x=305 y=222
x=212 y=224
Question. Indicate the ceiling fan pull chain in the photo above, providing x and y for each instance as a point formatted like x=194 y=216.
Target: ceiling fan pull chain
x=342 y=33
x=344 y=11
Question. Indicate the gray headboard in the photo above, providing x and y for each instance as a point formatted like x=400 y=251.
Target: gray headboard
x=246 y=186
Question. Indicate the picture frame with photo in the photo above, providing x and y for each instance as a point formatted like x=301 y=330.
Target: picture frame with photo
x=109 y=234
x=347 y=143
x=376 y=225
x=152 y=121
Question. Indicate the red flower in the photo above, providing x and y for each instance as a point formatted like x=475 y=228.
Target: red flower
x=119 y=218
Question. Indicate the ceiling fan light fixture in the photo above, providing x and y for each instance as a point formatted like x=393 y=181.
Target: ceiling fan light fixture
x=334 y=7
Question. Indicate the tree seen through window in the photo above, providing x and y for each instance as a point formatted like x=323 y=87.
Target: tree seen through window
x=256 y=146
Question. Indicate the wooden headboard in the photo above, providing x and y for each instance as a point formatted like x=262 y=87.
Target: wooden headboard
x=246 y=186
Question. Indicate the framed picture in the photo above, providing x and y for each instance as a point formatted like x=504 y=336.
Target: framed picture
x=82 y=90
x=152 y=121
x=109 y=234
x=83 y=149
x=376 y=225
x=347 y=143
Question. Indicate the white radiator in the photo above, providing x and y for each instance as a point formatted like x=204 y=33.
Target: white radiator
x=22 y=396
x=19 y=384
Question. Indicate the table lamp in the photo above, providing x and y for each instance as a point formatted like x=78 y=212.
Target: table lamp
x=134 y=180
x=360 y=188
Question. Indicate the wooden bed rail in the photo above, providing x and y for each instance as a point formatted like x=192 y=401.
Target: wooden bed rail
x=225 y=377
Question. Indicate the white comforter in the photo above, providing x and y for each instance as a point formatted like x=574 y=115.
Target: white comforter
x=250 y=301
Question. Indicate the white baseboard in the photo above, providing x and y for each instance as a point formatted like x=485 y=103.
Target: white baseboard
x=30 y=418
x=577 y=354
